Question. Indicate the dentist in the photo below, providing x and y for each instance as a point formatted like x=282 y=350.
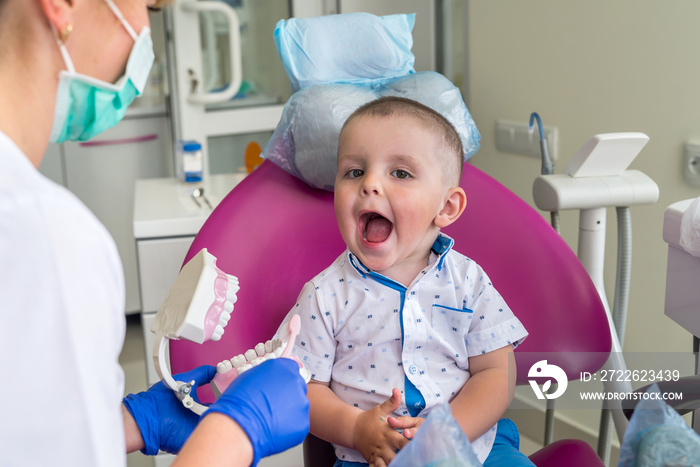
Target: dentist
x=68 y=71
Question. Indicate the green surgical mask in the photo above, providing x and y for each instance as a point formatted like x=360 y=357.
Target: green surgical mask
x=86 y=106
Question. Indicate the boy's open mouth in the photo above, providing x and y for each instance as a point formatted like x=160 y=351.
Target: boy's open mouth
x=375 y=227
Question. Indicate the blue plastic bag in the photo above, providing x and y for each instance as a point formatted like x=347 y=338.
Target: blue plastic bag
x=657 y=435
x=440 y=442
x=347 y=48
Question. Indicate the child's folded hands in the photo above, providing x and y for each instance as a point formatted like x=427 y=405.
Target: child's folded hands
x=376 y=440
x=409 y=425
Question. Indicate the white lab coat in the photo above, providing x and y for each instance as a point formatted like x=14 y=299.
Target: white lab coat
x=61 y=325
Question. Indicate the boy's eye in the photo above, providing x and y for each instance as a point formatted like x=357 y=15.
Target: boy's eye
x=354 y=173
x=401 y=173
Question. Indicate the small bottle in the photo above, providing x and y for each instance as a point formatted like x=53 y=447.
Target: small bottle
x=191 y=160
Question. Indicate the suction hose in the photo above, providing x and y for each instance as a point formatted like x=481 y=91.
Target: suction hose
x=624 y=268
x=547 y=166
x=620 y=304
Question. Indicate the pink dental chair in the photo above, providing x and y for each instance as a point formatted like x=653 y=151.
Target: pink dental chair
x=274 y=233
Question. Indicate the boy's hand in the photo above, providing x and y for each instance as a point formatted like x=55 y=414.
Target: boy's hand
x=409 y=425
x=373 y=437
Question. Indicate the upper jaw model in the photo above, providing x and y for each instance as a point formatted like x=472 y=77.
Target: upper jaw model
x=198 y=308
x=199 y=304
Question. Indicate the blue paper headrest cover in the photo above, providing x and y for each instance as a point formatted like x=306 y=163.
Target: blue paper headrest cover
x=337 y=63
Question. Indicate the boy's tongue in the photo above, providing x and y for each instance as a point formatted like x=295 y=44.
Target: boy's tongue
x=377 y=229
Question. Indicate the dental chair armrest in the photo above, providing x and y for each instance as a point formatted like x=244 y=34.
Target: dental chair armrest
x=689 y=386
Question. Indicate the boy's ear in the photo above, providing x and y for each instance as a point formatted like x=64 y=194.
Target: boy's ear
x=453 y=208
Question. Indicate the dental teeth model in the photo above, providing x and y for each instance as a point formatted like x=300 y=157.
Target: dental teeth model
x=198 y=308
x=227 y=370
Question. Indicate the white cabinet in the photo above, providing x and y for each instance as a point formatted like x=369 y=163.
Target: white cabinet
x=102 y=174
x=159 y=263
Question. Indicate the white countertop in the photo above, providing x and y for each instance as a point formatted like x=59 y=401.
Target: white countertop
x=165 y=207
x=672 y=222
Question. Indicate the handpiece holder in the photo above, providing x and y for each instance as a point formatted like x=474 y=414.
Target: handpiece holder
x=597 y=176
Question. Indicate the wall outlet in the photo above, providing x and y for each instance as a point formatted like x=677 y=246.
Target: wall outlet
x=691 y=163
x=514 y=137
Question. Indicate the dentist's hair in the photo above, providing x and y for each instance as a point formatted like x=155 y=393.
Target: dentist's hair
x=451 y=148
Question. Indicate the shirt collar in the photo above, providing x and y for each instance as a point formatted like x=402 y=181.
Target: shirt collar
x=442 y=245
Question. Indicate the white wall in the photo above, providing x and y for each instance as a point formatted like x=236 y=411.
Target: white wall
x=595 y=67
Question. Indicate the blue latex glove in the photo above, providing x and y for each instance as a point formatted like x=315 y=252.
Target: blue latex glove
x=164 y=422
x=269 y=403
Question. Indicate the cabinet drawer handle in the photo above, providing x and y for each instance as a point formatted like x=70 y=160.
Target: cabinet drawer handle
x=112 y=142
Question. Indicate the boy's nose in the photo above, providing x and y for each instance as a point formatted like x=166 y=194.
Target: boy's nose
x=371 y=186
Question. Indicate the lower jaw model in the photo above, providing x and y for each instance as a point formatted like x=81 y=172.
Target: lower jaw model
x=228 y=370
x=197 y=308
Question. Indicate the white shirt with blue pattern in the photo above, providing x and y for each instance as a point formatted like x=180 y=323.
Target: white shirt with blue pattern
x=367 y=334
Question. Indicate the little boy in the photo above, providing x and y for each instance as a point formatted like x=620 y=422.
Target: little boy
x=400 y=322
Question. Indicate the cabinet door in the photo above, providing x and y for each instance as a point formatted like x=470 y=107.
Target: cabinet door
x=160 y=261
x=102 y=174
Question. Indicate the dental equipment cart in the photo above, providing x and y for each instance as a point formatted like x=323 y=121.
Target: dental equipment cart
x=682 y=303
